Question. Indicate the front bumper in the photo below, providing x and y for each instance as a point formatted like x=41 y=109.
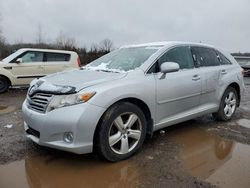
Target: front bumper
x=48 y=129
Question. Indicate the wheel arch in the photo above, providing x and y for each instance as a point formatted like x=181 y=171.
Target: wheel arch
x=220 y=114
x=138 y=102
x=237 y=88
x=7 y=78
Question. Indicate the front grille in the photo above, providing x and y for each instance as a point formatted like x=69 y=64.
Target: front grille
x=33 y=132
x=39 y=102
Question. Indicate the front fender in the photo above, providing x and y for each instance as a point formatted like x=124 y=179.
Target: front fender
x=141 y=88
x=7 y=74
x=231 y=79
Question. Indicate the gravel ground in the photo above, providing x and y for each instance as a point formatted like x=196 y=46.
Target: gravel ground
x=234 y=129
x=157 y=163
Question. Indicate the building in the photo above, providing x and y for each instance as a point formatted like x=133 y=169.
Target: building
x=244 y=62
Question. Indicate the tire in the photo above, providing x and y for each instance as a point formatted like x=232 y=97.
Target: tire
x=121 y=132
x=228 y=105
x=4 y=84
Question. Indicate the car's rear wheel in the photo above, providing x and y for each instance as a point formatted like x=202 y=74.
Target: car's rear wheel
x=228 y=105
x=121 y=132
x=4 y=84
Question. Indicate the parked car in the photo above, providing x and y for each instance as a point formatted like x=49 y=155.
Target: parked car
x=244 y=62
x=24 y=65
x=110 y=105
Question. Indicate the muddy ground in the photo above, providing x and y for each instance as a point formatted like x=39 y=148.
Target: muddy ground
x=197 y=153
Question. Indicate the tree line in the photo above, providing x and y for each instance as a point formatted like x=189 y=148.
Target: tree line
x=62 y=43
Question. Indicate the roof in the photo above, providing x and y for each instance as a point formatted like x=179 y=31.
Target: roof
x=47 y=50
x=167 y=43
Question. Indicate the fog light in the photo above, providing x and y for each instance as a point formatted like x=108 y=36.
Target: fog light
x=68 y=137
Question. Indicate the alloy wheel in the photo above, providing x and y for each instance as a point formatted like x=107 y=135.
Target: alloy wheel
x=125 y=133
x=230 y=104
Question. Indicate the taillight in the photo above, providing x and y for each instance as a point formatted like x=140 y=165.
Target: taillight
x=242 y=72
x=79 y=62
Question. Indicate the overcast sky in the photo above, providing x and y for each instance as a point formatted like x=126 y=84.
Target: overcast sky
x=223 y=23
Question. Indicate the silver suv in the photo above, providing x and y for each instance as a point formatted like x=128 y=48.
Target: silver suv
x=111 y=104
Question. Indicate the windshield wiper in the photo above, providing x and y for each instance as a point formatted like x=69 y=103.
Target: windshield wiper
x=103 y=70
x=106 y=70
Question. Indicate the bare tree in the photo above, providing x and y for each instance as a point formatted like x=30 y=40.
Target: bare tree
x=94 y=47
x=106 y=45
x=0 y=32
x=64 y=42
x=39 y=35
x=2 y=40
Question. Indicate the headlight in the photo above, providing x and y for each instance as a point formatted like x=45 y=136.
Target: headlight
x=59 y=101
x=33 y=82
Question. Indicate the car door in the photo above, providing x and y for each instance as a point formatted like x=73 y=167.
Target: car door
x=56 y=62
x=178 y=93
x=226 y=68
x=208 y=61
x=29 y=66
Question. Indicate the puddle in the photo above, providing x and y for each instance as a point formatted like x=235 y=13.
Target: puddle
x=3 y=107
x=219 y=161
x=80 y=172
x=7 y=109
x=244 y=123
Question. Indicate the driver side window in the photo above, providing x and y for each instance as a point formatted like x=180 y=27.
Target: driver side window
x=32 y=57
x=181 y=55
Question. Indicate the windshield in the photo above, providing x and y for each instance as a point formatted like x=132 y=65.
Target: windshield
x=12 y=56
x=124 y=59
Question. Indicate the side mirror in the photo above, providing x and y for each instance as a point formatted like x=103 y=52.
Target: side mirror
x=19 y=60
x=169 y=67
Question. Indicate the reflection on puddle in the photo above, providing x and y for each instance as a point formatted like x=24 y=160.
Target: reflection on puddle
x=211 y=158
x=40 y=172
x=244 y=123
x=7 y=109
x=219 y=161
x=3 y=107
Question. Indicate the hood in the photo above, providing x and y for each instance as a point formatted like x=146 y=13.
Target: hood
x=80 y=79
x=2 y=63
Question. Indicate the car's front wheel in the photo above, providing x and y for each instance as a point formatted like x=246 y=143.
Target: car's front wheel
x=121 y=132
x=4 y=84
x=228 y=105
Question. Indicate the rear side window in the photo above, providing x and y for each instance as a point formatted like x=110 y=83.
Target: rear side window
x=223 y=59
x=52 y=57
x=204 y=57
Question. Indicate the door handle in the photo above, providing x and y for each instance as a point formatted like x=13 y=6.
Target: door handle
x=66 y=66
x=223 y=71
x=40 y=67
x=196 y=77
x=8 y=68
